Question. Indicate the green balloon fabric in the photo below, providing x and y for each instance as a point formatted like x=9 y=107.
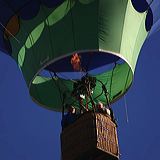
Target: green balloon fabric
x=113 y=27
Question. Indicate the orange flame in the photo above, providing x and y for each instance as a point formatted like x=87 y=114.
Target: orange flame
x=76 y=62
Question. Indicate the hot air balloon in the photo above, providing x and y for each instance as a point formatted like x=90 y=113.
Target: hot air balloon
x=77 y=53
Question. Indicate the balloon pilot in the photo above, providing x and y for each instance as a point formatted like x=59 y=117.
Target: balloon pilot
x=82 y=92
x=70 y=117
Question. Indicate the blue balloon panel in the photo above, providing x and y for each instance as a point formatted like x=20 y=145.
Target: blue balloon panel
x=91 y=62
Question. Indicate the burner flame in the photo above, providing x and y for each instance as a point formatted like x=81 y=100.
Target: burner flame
x=76 y=62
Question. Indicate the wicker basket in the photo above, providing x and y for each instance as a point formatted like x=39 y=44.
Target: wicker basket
x=92 y=137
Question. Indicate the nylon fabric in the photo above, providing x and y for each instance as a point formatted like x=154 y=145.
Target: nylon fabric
x=111 y=27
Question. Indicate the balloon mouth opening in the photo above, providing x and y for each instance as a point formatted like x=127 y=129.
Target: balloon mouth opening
x=78 y=64
x=49 y=80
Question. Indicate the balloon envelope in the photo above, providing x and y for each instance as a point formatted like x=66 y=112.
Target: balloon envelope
x=107 y=35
